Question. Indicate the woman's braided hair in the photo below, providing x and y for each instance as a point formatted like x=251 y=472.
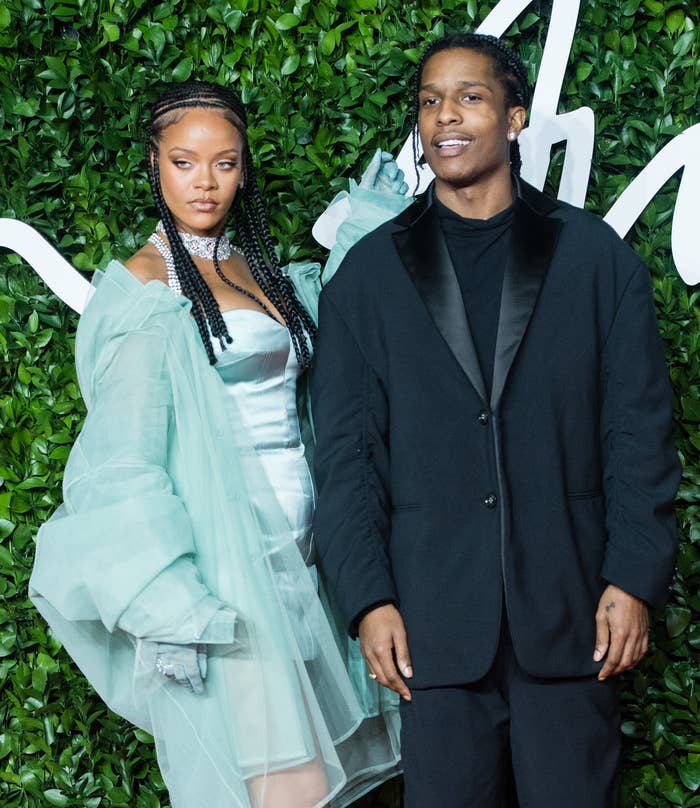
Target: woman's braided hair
x=508 y=68
x=247 y=217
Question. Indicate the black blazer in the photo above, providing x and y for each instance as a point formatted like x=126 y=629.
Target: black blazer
x=450 y=504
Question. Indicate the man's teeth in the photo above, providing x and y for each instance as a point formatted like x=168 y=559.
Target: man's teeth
x=453 y=143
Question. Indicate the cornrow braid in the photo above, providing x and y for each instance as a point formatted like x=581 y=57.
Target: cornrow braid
x=247 y=216
x=508 y=68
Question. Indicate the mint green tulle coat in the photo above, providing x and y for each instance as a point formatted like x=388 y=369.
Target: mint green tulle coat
x=157 y=541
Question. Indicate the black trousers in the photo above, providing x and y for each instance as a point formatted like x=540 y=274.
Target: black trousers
x=510 y=740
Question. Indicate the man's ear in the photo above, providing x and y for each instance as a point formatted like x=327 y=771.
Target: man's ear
x=516 y=120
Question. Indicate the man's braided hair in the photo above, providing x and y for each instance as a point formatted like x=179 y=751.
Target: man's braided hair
x=247 y=218
x=508 y=68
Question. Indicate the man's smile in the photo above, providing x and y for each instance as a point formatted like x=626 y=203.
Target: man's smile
x=449 y=145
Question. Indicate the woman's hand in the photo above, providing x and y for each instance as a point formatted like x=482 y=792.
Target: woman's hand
x=186 y=664
x=383 y=174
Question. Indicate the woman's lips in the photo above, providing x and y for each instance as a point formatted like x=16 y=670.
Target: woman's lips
x=204 y=205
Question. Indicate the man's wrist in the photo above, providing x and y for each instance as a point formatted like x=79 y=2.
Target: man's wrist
x=355 y=622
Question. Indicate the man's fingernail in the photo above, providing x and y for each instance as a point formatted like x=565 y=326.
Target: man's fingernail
x=408 y=671
x=598 y=655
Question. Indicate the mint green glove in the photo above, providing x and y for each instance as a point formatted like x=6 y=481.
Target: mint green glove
x=383 y=174
x=186 y=664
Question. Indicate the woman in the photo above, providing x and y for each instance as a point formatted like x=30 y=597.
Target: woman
x=175 y=573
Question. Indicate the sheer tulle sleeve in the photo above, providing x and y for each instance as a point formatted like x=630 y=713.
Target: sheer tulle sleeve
x=366 y=209
x=123 y=538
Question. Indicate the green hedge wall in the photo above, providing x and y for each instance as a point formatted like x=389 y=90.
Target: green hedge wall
x=327 y=82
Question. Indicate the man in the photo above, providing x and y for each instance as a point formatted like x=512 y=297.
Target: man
x=494 y=459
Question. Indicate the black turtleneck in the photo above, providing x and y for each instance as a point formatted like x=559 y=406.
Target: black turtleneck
x=479 y=249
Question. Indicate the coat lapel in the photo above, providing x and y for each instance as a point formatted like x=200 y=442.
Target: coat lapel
x=534 y=238
x=423 y=250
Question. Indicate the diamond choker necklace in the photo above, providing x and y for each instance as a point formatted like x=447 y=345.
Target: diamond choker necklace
x=203 y=246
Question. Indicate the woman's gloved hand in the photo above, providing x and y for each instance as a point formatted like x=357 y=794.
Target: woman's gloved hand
x=383 y=174
x=186 y=664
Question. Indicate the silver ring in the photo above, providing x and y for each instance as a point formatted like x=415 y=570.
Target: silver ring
x=164 y=669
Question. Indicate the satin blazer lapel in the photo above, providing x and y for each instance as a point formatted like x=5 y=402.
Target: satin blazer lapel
x=423 y=250
x=534 y=238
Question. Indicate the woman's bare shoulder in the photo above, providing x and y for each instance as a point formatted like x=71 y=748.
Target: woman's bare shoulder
x=147 y=265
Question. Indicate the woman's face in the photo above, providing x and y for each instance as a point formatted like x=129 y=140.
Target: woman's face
x=200 y=158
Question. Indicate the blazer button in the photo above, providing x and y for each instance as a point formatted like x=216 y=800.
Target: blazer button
x=490 y=500
x=483 y=418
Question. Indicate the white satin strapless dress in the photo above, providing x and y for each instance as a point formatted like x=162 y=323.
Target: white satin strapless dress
x=260 y=371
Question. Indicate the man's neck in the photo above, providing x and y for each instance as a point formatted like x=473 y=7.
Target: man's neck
x=481 y=200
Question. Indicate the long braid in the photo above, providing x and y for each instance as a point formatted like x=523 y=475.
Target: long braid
x=251 y=225
x=247 y=216
x=193 y=286
x=508 y=68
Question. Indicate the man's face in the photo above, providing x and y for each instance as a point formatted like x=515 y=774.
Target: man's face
x=463 y=121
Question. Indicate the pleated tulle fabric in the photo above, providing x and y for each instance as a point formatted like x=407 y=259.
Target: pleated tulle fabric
x=158 y=541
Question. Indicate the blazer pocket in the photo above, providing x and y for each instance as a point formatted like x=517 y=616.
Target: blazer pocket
x=591 y=494
x=406 y=507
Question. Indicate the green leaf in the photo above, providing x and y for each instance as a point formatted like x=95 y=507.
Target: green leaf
x=629 y=43
x=184 y=69
x=583 y=70
x=290 y=65
x=6 y=528
x=675 y=21
x=671 y=791
x=111 y=31
x=54 y=796
x=677 y=620
x=328 y=43
x=690 y=775
x=39 y=679
x=287 y=21
x=23 y=108
x=691 y=408
x=5 y=18
x=144 y=737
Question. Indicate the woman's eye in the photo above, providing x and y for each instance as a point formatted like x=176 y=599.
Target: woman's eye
x=227 y=165
x=181 y=163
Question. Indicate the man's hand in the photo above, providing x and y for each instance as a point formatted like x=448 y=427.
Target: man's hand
x=384 y=647
x=622 y=631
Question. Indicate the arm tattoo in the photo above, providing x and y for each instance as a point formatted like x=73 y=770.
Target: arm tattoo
x=610 y=605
